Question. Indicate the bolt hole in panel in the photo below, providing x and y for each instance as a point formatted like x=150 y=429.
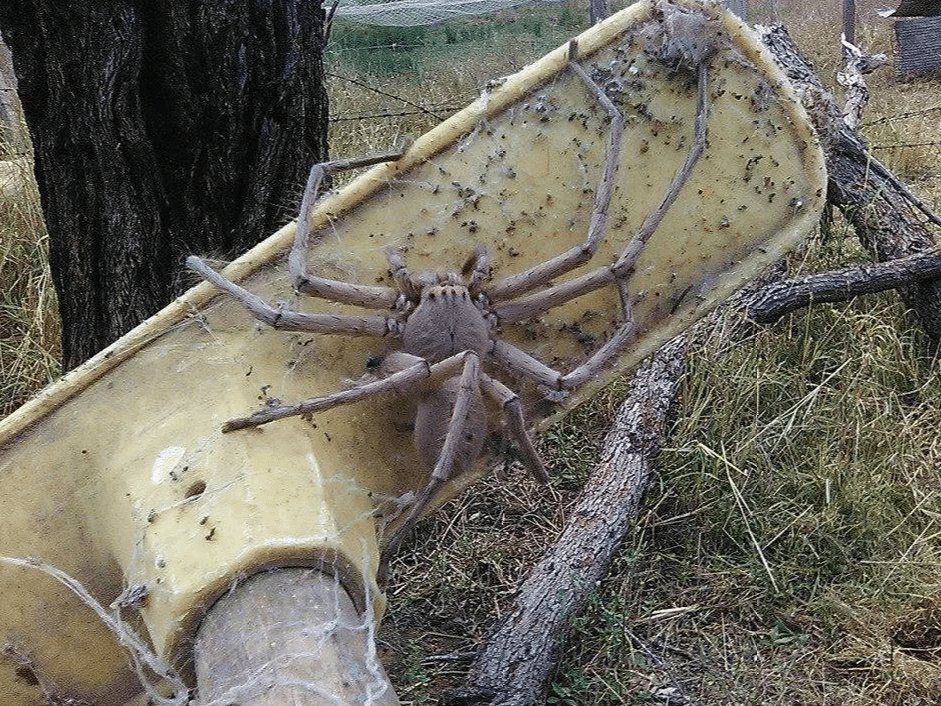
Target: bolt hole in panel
x=119 y=473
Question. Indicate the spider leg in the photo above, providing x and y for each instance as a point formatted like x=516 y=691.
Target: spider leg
x=444 y=467
x=291 y=320
x=517 y=361
x=530 y=279
x=523 y=309
x=410 y=288
x=334 y=290
x=478 y=267
x=399 y=381
x=513 y=413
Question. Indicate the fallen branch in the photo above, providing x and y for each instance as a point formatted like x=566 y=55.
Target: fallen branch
x=856 y=92
x=775 y=300
x=516 y=660
x=881 y=209
x=514 y=664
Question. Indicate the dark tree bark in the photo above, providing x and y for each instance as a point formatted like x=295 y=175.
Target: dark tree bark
x=918 y=8
x=888 y=219
x=161 y=128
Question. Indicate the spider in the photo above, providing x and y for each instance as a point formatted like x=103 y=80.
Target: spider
x=447 y=325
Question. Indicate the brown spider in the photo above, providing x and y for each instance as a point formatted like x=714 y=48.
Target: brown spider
x=447 y=324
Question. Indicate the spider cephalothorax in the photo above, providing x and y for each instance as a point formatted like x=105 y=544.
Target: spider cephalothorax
x=444 y=328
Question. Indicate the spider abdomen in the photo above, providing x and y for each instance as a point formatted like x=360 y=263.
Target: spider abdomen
x=446 y=321
x=432 y=418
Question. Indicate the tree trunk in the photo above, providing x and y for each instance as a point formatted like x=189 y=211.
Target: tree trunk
x=161 y=129
x=13 y=140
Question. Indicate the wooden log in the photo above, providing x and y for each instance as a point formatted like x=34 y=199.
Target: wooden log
x=889 y=220
x=516 y=660
x=289 y=637
x=771 y=302
x=855 y=91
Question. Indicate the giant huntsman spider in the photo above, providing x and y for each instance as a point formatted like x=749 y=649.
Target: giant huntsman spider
x=447 y=324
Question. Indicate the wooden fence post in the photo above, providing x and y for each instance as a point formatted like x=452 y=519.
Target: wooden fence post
x=12 y=125
x=849 y=20
x=597 y=10
x=739 y=7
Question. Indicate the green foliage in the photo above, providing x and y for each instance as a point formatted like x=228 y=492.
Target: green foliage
x=384 y=51
x=393 y=51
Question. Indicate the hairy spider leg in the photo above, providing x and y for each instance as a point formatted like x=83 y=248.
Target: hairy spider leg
x=469 y=385
x=403 y=279
x=366 y=296
x=518 y=361
x=516 y=425
x=286 y=320
x=528 y=280
x=414 y=374
x=477 y=268
x=523 y=309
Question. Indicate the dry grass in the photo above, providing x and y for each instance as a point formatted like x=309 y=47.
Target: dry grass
x=788 y=550
x=29 y=325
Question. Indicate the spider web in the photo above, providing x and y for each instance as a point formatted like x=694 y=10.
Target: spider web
x=314 y=493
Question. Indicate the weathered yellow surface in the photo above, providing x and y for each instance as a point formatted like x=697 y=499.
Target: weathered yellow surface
x=119 y=474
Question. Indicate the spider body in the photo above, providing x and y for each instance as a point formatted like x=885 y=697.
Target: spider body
x=446 y=321
x=432 y=415
x=443 y=318
x=447 y=325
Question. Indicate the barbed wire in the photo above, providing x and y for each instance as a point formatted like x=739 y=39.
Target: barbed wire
x=356 y=82
x=901 y=116
x=339 y=48
x=901 y=145
x=390 y=114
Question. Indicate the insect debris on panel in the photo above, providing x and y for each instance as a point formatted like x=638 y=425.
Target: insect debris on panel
x=446 y=324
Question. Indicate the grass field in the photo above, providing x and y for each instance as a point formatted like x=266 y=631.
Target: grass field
x=789 y=549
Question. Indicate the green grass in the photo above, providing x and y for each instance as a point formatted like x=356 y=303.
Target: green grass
x=787 y=551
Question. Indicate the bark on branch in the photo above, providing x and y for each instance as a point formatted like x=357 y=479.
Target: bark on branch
x=518 y=657
x=516 y=661
x=514 y=664
x=889 y=220
x=774 y=300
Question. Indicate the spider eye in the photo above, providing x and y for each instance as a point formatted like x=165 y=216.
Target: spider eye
x=374 y=362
